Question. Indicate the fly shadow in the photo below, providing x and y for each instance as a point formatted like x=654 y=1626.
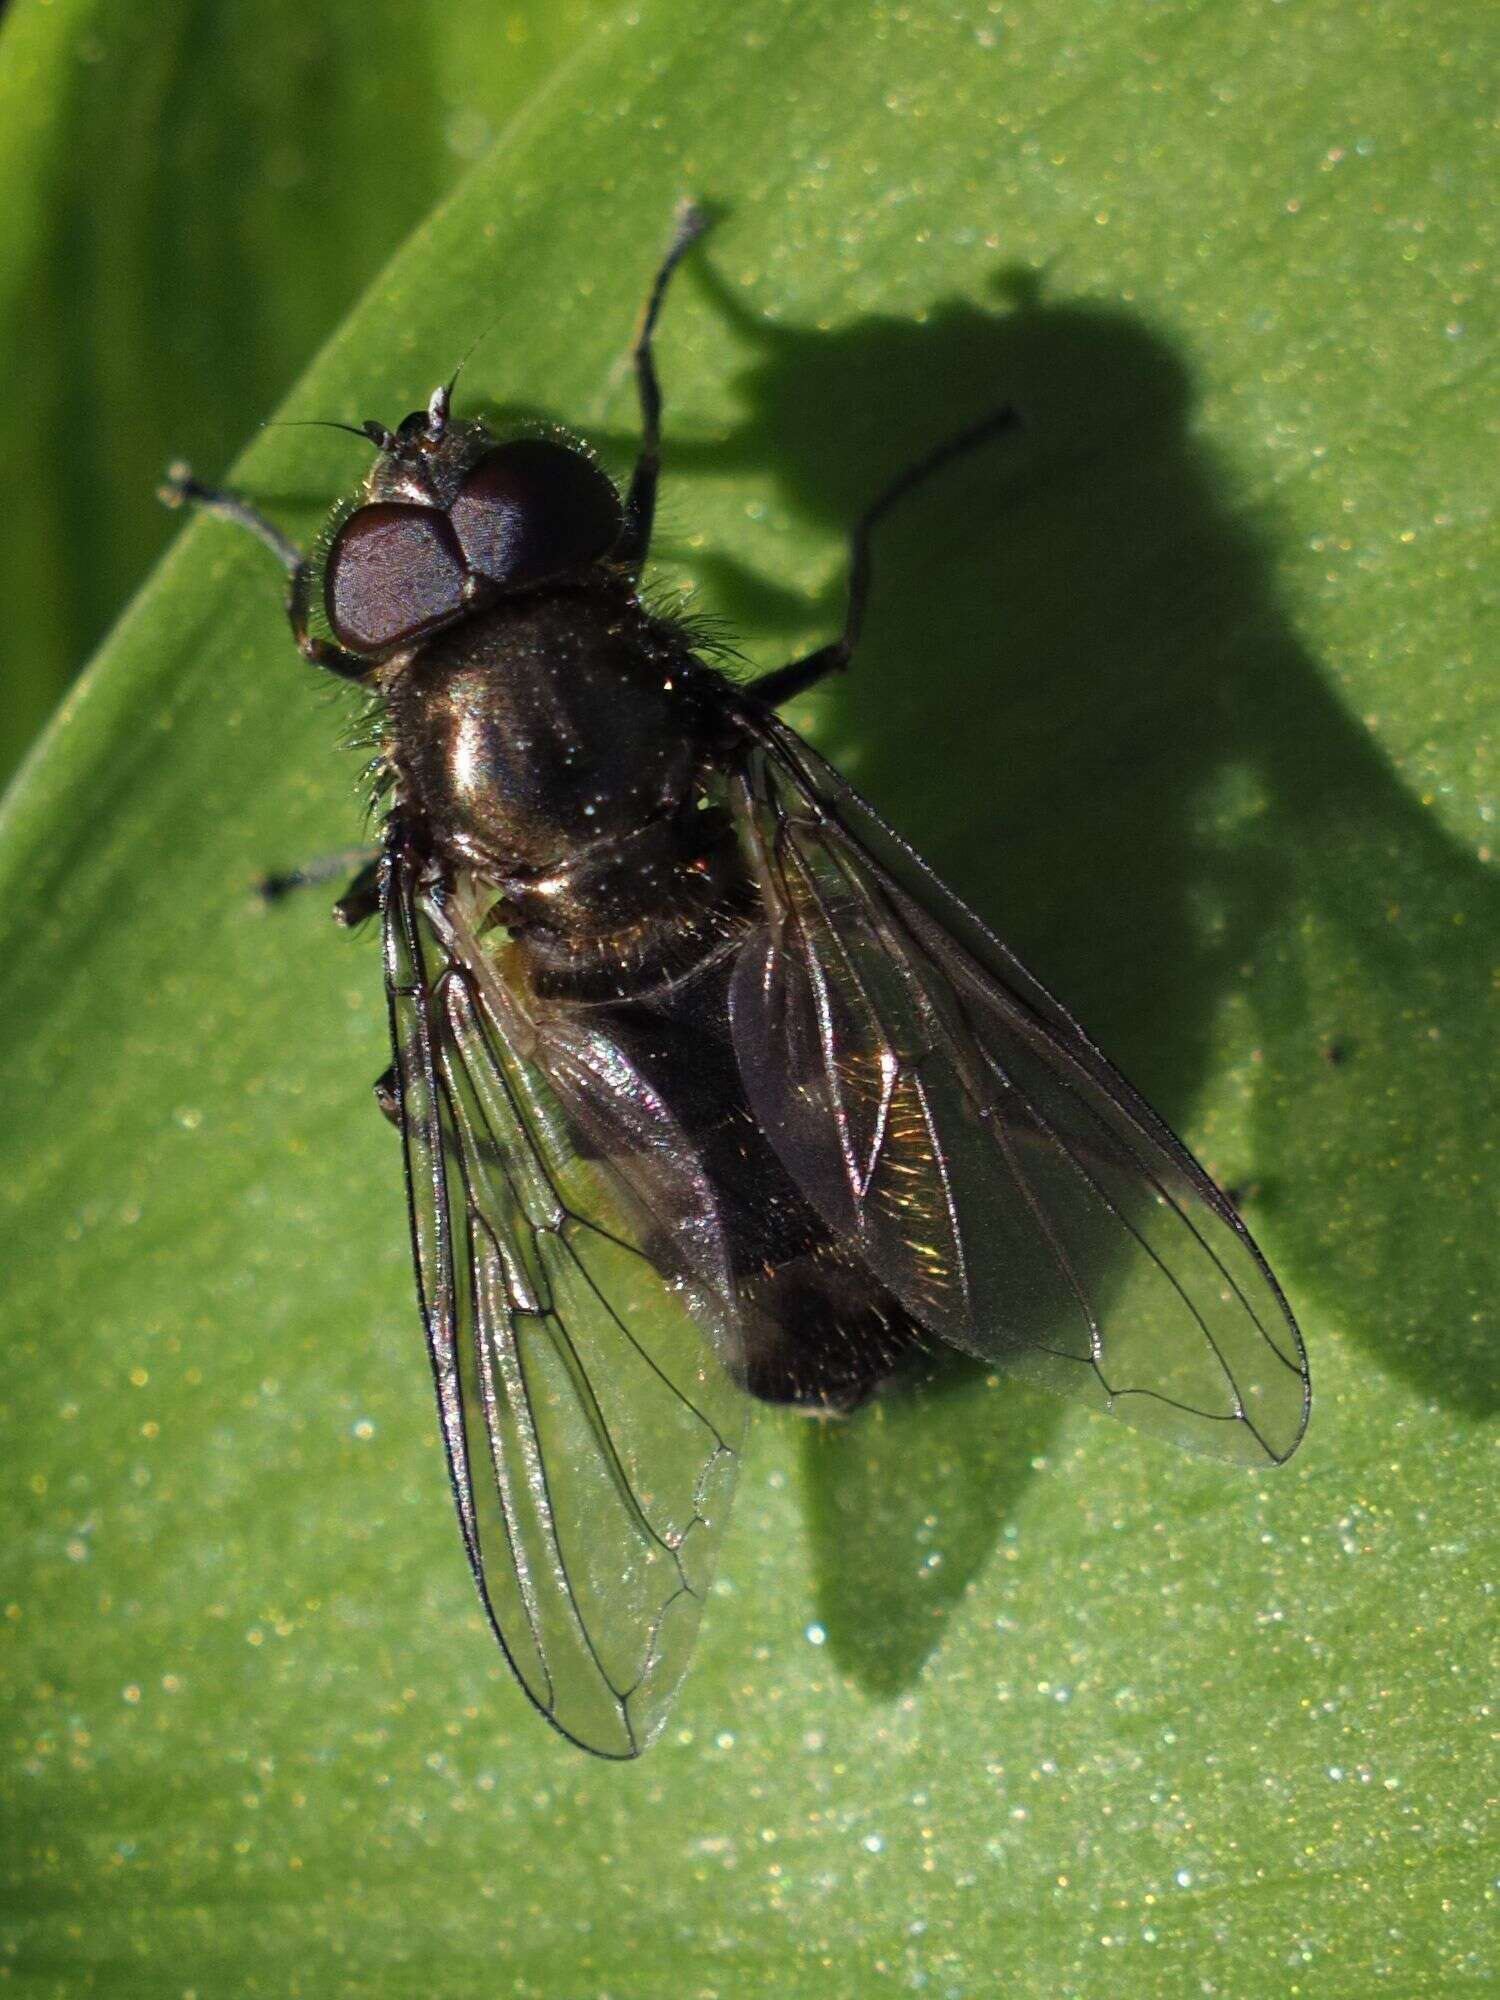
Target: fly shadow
x=1078 y=696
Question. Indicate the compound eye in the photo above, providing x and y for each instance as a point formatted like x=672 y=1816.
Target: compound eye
x=393 y=573
x=532 y=509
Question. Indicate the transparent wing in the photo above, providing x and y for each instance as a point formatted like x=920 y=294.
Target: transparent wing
x=937 y=1105
x=573 y=1291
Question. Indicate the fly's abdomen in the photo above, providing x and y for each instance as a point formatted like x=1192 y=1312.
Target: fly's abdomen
x=819 y=1330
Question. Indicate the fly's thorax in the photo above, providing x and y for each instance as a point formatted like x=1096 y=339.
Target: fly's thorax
x=630 y=916
x=534 y=734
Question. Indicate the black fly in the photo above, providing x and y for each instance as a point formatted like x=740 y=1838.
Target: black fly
x=705 y=1083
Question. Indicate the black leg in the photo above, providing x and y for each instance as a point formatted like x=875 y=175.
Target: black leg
x=181 y=489
x=640 y=502
x=388 y=1096
x=785 y=682
x=360 y=900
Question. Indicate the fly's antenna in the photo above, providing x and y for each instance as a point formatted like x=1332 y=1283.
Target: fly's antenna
x=372 y=432
x=452 y=383
x=447 y=388
x=315 y=424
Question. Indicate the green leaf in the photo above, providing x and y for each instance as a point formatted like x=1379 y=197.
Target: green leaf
x=195 y=194
x=1185 y=692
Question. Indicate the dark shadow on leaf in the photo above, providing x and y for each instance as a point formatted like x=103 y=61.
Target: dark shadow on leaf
x=1079 y=696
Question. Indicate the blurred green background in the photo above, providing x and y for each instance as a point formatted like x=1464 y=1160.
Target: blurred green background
x=1191 y=693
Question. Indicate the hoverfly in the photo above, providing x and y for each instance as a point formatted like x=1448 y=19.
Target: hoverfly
x=706 y=1085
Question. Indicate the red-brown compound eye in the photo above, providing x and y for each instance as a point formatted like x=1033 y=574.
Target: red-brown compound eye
x=393 y=573
x=531 y=509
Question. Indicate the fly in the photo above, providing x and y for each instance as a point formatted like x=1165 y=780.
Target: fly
x=705 y=1083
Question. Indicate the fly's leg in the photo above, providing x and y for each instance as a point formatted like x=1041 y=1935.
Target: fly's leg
x=784 y=682
x=359 y=903
x=388 y=1096
x=360 y=900
x=181 y=489
x=640 y=502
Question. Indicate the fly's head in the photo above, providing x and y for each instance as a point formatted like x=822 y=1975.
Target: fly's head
x=452 y=518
